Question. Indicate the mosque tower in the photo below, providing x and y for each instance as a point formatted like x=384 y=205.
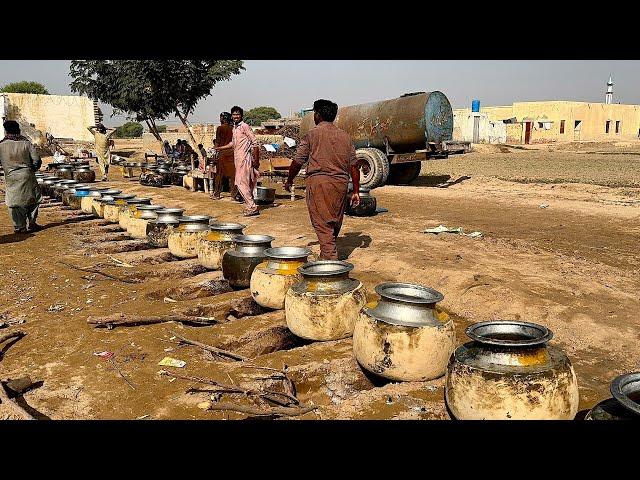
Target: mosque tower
x=609 y=97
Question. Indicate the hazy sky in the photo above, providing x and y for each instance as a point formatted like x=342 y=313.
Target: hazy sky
x=295 y=84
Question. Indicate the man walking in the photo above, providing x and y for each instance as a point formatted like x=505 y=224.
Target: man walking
x=332 y=158
x=246 y=157
x=20 y=161
x=102 y=137
x=225 y=165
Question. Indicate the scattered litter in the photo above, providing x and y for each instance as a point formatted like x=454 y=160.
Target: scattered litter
x=169 y=300
x=120 y=262
x=143 y=417
x=460 y=231
x=474 y=234
x=172 y=379
x=269 y=147
x=543 y=205
x=290 y=142
x=104 y=354
x=172 y=338
x=172 y=362
x=56 y=308
x=169 y=349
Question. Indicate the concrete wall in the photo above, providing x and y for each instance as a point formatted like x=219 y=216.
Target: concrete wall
x=63 y=116
x=488 y=131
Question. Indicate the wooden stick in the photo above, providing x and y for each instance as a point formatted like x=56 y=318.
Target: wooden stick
x=269 y=411
x=133 y=320
x=92 y=270
x=216 y=351
x=16 y=334
x=15 y=408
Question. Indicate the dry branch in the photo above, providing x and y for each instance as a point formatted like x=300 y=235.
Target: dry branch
x=216 y=351
x=120 y=320
x=16 y=334
x=93 y=270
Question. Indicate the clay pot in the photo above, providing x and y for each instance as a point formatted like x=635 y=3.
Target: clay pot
x=325 y=304
x=264 y=195
x=138 y=221
x=46 y=185
x=86 y=203
x=65 y=172
x=509 y=372
x=84 y=174
x=183 y=241
x=625 y=401
x=113 y=208
x=404 y=336
x=98 y=203
x=68 y=192
x=158 y=232
x=365 y=208
x=248 y=252
x=127 y=213
x=212 y=247
x=75 y=195
x=272 y=278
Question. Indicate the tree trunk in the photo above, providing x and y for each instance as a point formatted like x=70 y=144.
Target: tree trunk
x=194 y=144
x=152 y=129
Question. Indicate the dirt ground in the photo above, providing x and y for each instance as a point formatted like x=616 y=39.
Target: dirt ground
x=572 y=266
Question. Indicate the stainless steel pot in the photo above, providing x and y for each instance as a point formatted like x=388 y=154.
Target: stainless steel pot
x=248 y=252
x=625 y=401
x=366 y=207
x=169 y=215
x=264 y=195
x=194 y=223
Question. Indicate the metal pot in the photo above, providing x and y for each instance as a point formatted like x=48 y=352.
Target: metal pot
x=60 y=187
x=113 y=208
x=367 y=205
x=84 y=174
x=272 y=278
x=177 y=174
x=248 y=252
x=47 y=182
x=509 y=372
x=625 y=401
x=166 y=175
x=264 y=195
x=170 y=215
x=212 y=247
x=65 y=172
x=86 y=203
x=96 y=203
x=183 y=241
x=325 y=304
x=404 y=336
x=132 y=205
x=73 y=196
x=138 y=220
x=158 y=231
x=151 y=179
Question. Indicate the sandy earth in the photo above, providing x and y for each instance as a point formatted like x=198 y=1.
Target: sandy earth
x=572 y=266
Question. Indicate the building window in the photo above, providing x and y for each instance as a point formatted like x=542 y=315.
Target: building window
x=617 y=126
x=561 y=126
x=606 y=128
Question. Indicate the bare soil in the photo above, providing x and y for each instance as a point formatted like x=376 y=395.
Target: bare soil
x=572 y=266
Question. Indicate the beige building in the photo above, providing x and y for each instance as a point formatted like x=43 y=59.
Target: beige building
x=550 y=121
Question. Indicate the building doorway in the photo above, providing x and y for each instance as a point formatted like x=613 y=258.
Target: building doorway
x=577 y=126
x=476 y=129
x=527 y=133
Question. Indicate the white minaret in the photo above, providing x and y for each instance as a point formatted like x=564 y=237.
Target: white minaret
x=609 y=97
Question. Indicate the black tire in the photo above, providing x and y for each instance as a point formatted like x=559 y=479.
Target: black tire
x=374 y=169
x=404 y=173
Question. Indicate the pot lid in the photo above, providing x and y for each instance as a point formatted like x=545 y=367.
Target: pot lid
x=223 y=226
x=626 y=390
x=251 y=239
x=509 y=333
x=325 y=268
x=287 y=253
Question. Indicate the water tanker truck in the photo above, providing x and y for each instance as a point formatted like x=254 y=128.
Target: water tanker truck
x=393 y=137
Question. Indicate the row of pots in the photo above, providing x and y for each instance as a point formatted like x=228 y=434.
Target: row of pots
x=79 y=171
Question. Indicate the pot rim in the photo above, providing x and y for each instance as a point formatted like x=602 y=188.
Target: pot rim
x=223 y=226
x=170 y=211
x=123 y=196
x=135 y=200
x=532 y=333
x=253 y=239
x=624 y=384
x=287 y=253
x=325 y=268
x=111 y=191
x=413 y=293
x=194 y=219
x=149 y=207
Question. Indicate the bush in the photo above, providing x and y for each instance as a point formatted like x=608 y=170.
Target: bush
x=129 y=130
x=256 y=116
x=25 y=86
x=161 y=128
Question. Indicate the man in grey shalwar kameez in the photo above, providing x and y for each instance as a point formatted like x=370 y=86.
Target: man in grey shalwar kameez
x=20 y=161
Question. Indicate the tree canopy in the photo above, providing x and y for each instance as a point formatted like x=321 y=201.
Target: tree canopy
x=129 y=130
x=25 y=86
x=256 y=116
x=150 y=90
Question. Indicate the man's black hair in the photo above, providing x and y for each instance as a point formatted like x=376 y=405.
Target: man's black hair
x=237 y=109
x=226 y=117
x=326 y=109
x=11 y=127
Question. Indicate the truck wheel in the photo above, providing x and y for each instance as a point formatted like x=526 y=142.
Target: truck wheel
x=404 y=173
x=374 y=167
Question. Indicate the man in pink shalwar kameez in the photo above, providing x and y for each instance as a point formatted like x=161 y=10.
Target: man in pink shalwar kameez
x=246 y=157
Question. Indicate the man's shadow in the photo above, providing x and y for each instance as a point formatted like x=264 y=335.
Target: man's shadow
x=348 y=242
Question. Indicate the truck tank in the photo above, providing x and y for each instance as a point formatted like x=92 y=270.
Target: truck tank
x=405 y=124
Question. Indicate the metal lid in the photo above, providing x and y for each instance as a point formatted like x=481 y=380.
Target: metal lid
x=509 y=333
x=223 y=226
x=194 y=219
x=626 y=390
x=287 y=253
x=409 y=293
x=325 y=268
x=249 y=239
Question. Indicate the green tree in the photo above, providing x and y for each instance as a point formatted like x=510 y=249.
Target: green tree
x=25 y=86
x=129 y=130
x=151 y=90
x=256 y=116
x=161 y=128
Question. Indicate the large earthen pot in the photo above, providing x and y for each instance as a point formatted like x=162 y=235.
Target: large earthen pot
x=45 y=187
x=69 y=192
x=325 y=304
x=61 y=186
x=84 y=174
x=113 y=208
x=272 y=278
x=183 y=240
x=509 y=372
x=98 y=203
x=248 y=252
x=75 y=198
x=65 y=172
x=132 y=204
x=403 y=336
x=87 y=203
x=212 y=247
x=624 y=403
x=139 y=220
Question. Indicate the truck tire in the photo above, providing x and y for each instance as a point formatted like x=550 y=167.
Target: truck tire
x=374 y=167
x=403 y=173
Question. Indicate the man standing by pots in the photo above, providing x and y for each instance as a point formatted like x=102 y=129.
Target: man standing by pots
x=332 y=159
x=102 y=137
x=246 y=156
x=225 y=164
x=20 y=161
